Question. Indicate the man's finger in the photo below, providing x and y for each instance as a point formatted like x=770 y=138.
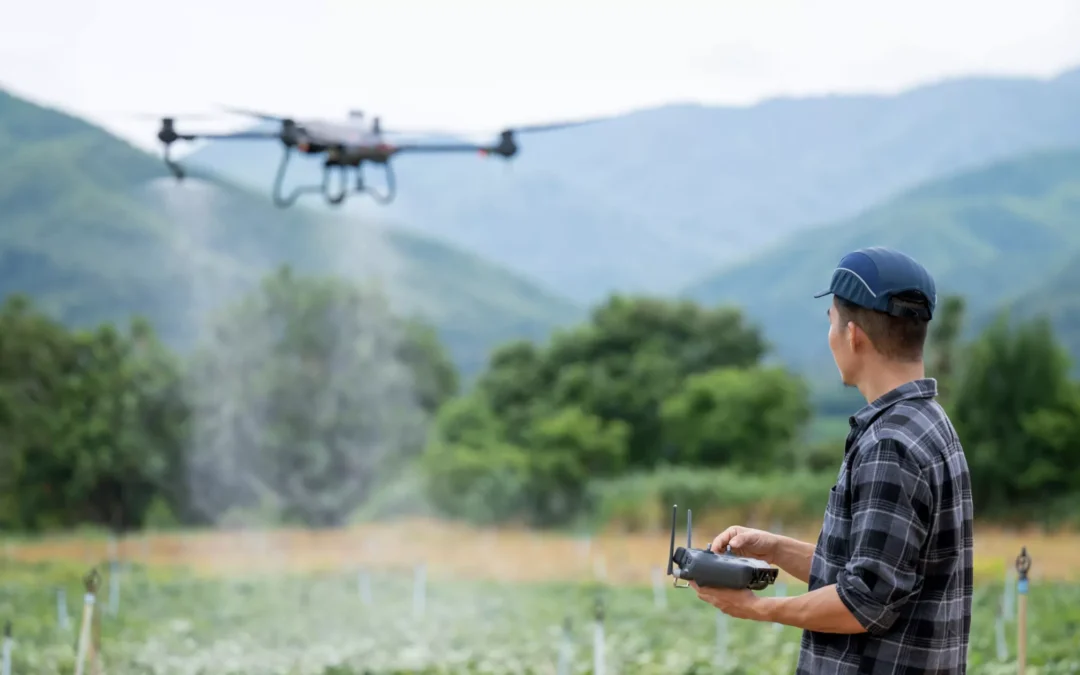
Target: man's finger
x=721 y=542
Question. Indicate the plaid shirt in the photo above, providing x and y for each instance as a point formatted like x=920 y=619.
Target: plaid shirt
x=897 y=542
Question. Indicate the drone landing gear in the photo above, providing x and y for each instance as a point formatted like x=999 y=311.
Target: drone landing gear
x=334 y=198
x=384 y=197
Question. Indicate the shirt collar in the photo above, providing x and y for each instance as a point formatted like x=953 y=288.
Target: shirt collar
x=922 y=388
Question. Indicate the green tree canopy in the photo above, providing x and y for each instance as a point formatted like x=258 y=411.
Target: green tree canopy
x=91 y=422
x=621 y=365
x=742 y=418
x=1015 y=380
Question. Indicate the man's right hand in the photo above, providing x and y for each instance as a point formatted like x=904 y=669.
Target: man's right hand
x=747 y=542
x=791 y=555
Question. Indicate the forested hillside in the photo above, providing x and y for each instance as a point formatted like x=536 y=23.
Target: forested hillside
x=94 y=230
x=992 y=235
x=653 y=200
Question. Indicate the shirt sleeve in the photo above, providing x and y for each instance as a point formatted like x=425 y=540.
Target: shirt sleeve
x=890 y=516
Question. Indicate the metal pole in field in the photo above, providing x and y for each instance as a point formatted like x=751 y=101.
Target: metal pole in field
x=419 y=589
x=114 y=588
x=365 y=587
x=721 y=637
x=1023 y=564
x=599 y=646
x=6 y=665
x=62 y=620
x=780 y=591
x=565 y=647
x=1008 y=605
x=659 y=590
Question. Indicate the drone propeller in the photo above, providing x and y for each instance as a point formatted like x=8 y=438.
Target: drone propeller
x=266 y=117
x=507 y=132
x=555 y=126
x=157 y=117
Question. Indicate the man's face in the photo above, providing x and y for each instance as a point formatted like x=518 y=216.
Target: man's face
x=842 y=345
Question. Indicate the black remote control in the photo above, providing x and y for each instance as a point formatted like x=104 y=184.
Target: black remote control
x=714 y=570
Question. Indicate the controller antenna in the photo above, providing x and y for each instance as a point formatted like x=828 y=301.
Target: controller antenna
x=689 y=528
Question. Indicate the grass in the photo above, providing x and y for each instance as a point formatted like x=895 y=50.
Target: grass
x=344 y=603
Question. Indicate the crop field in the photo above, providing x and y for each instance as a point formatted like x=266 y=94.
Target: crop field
x=432 y=598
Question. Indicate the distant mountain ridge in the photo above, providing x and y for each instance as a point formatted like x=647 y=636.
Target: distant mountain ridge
x=654 y=200
x=1006 y=234
x=95 y=230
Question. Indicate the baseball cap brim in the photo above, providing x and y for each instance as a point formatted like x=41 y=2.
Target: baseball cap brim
x=827 y=291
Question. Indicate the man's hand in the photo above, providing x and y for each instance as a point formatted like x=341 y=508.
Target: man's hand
x=747 y=542
x=740 y=604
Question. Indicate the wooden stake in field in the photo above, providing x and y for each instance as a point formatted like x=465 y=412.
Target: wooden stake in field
x=1023 y=564
x=89 y=599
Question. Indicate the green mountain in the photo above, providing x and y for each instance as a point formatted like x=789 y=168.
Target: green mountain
x=657 y=199
x=995 y=234
x=1057 y=298
x=95 y=231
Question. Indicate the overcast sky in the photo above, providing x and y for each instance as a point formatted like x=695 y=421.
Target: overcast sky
x=478 y=64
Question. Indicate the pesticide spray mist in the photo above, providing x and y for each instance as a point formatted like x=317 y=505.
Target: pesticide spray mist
x=298 y=406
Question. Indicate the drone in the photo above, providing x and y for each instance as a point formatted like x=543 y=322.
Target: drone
x=346 y=145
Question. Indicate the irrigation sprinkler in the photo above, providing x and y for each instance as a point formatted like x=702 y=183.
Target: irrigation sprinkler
x=1023 y=564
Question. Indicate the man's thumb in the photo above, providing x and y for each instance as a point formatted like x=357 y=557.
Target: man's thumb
x=736 y=542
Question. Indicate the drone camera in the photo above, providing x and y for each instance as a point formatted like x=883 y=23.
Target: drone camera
x=714 y=570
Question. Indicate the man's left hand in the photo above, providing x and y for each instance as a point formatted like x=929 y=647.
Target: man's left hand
x=740 y=604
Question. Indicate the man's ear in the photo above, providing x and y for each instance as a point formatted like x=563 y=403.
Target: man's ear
x=855 y=336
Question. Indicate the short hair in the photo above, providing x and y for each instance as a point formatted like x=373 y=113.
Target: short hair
x=899 y=338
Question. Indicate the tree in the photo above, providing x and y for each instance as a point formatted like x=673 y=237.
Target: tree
x=473 y=472
x=307 y=394
x=91 y=422
x=1013 y=377
x=943 y=344
x=739 y=418
x=621 y=365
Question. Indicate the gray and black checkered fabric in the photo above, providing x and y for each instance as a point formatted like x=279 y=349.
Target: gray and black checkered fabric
x=897 y=542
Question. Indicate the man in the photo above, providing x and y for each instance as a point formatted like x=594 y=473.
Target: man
x=890 y=576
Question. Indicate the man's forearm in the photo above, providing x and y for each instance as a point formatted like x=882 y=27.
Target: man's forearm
x=822 y=611
x=793 y=556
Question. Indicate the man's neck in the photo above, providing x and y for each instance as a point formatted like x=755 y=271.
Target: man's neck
x=882 y=380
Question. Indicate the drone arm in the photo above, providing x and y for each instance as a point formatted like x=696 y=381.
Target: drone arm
x=435 y=147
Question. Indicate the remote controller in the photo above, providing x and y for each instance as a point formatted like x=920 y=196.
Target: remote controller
x=714 y=570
